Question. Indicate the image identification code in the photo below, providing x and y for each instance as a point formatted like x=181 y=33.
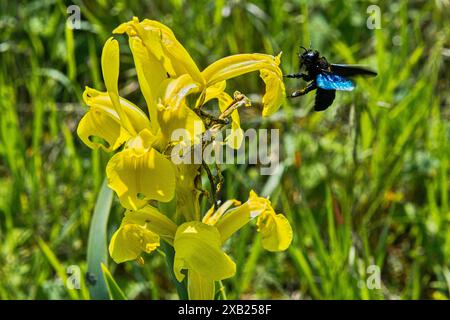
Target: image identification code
x=226 y=309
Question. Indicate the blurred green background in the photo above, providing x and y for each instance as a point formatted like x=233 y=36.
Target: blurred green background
x=364 y=183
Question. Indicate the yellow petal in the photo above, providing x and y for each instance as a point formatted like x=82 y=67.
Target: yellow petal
x=198 y=248
x=173 y=113
x=154 y=221
x=110 y=69
x=276 y=232
x=130 y=240
x=213 y=216
x=236 y=65
x=99 y=123
x=238 y=217
x=173 y=56
x=275 y=228
x=102 y=120
x=234 y=139
x=212 y=92
x=178 y=89
x=137 y=117
x=138 y=177
x=187 y=192
x=151 y=75
x=181 y=124
x=200 y=288
x=110 y=64
x=275 y=91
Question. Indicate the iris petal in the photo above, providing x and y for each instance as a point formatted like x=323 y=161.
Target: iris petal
x=275 y=228
x=103 y=121
x=173 y=113
x=174 y=57
x=198 y=248
x=200 y=288
x=236 y=65
x=138 y=177
x=99 y=123
x=154 y=221
x=130 y=240
x=276 y=232
x=275 y=90
x=150 y=74
x=110 y=68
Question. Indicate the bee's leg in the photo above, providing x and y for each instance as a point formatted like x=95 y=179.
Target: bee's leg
x=296 y=75
x=304 y=91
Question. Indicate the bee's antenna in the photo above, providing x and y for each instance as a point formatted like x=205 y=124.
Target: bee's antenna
x=302 y=47
x=310 y=45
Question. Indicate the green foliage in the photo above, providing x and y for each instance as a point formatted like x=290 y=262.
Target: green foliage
x=97 y=252
x=364 y=183
x=114 y=291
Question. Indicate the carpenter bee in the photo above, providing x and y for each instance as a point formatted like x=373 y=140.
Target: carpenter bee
x=325 y=77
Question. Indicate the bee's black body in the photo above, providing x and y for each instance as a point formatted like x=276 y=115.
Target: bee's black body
x=325 y=77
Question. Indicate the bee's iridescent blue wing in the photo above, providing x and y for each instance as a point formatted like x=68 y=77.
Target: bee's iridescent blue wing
x=330 y=81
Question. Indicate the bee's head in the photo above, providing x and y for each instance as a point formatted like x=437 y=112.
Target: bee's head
x=309 y=57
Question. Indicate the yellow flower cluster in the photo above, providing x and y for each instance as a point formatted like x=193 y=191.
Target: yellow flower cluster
x=141 y=174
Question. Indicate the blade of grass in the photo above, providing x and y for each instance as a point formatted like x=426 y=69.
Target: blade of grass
x=58 y=267
x=114 y=291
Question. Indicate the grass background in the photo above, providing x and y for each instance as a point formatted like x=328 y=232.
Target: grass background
x=364 y=183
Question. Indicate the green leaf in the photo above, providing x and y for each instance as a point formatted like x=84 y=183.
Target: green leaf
x=97 y=253
x=114 y=291
x=169 y=255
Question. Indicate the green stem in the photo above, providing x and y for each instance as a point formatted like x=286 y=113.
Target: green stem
x=170 y=254
x=221 y=294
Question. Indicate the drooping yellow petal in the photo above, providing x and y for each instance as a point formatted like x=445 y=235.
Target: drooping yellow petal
x=102 y=120
x=236 y=65
x=200 y=288
x=100 y=129
x=275 y=228
x=276 y=232
x=173 y=56
x=275 y=90
x=238 y=217
x=198 y=248
x=139 y=232
x=110 y=69
x=154 y=221
x=130 y=240
x=137 y=117
x=138 y=174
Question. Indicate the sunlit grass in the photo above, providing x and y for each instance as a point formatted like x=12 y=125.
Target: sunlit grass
x=364 y=183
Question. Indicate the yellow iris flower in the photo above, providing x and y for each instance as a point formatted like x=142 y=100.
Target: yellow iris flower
x=155 y=48
x=167 y=75
x=141 y=173
x=198 y=244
